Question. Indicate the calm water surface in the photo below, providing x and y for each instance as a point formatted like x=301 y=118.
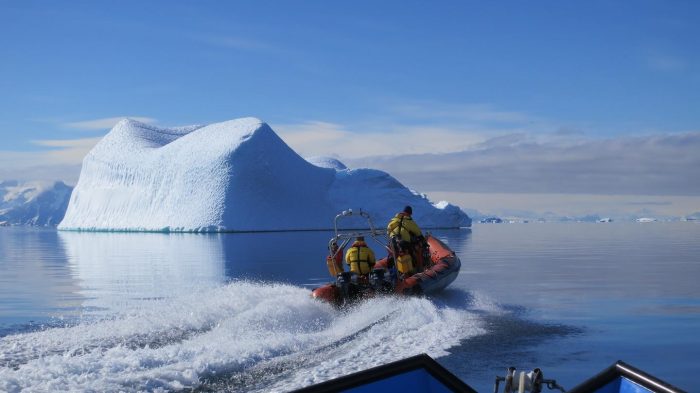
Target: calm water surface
x=569 y=298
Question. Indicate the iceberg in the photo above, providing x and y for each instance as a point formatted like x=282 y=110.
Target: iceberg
x=237 y=175
x=646 y=219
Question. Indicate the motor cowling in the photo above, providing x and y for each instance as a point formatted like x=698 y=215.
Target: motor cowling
x=344 y=281
x=376 y=278
x=522 y=382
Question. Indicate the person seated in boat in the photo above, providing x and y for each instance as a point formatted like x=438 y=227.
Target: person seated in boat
x=360 y=257
x=406 y=237
x=334 y=260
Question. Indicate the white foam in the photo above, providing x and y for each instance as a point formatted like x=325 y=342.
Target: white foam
x=483 y=302
x=236 y=329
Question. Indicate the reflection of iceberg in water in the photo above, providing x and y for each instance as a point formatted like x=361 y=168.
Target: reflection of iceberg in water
x=35 y=280
x=118 y=270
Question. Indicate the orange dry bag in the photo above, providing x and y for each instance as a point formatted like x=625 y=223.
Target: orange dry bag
x=404 y=263
x=335 y=265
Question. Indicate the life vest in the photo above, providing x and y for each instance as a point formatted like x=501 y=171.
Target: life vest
x=403 y=226
x=360 y=258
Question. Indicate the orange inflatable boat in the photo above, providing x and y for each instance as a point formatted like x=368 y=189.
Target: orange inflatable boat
x=436 y=273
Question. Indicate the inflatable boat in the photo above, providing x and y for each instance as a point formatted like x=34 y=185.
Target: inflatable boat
x=438 y=267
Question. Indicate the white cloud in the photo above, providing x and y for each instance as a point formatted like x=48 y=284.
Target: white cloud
x=650 y=165
x=67 y=151
x=496 y=168
x=317 y=138
x=104 y=123
x=462 y=113
x=540 y=204
x=68 y=143
x=61 y=162
x=419 y=127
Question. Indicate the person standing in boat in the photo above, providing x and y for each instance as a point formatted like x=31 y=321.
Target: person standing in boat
x=360 y=257
x=405 y=237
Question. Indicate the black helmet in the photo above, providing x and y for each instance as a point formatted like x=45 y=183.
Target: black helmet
x=360 y=238
x=408 y=210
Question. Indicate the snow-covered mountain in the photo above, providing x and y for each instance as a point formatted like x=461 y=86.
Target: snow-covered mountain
x=232 y=176
x=33 y=203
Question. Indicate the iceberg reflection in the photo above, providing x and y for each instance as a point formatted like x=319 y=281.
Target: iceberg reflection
x=35 y=280
x=116 y=271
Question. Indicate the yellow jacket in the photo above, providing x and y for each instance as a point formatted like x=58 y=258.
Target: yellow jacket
x=360 y=258
x=403 y=225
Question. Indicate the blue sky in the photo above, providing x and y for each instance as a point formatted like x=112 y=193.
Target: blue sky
x=322 y=74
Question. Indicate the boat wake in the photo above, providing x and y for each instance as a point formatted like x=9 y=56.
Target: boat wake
x=243 y=336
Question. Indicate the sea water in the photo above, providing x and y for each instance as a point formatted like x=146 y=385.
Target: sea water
x=149 y=311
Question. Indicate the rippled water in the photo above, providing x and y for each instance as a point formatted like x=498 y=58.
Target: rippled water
x=118 y=311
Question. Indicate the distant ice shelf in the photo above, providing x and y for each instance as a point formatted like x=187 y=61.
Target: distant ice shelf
x=646 y=219
x=238 y=175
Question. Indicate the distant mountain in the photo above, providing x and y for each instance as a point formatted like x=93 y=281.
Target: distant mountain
x=474 y=214
x=33 y=203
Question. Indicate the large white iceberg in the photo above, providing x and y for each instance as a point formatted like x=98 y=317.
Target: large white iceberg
x=232 y=176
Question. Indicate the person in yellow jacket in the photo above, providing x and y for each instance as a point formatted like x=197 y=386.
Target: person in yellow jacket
x=404 y=234
x=360 y=257
x=402 y=226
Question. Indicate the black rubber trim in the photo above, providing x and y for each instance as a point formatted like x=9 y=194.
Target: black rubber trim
x=622 y=369
x=389 y=370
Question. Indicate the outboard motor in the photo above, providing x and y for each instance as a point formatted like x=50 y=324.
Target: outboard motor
x=343 y=281
x=525 y=382
x=376 y=279
x=391 y=277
